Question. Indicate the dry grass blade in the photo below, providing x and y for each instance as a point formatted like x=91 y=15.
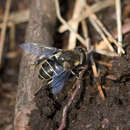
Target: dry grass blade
x=95 y=8
x=85 y=33
x=84 y=29
x=3 y=32
x=66 y=24
x=119 y=24
x=79 y=6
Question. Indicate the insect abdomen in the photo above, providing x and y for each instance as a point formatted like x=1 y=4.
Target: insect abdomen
x=47 y=69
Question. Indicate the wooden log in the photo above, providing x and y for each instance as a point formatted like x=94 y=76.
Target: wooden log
x=40 y=29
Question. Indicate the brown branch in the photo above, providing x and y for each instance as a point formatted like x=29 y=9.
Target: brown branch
x=65 y=109
x=40 y=30
x=96 y=75
x=3 y=32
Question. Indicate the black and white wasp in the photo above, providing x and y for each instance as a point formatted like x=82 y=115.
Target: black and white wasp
x=56 y=65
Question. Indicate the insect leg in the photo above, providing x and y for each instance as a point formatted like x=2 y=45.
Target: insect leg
x=81 y=58
x=76 y=75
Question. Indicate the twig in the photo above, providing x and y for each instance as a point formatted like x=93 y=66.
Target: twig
x=95 y=8
x=64 y=115
x=85 y=33
x=79 y=6
x=3 y=32
x=84 y=29
x=119 y=23
x=96 y=75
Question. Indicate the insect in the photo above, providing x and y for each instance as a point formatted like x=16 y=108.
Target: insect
x=56 y=65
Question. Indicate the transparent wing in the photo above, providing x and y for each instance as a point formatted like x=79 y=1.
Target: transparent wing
x=38 y=49
x=59 y=81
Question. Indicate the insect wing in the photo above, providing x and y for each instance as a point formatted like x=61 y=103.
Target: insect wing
x=38 y=49
x=58 y=81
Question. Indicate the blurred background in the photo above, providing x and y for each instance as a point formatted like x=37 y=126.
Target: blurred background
x=14 y=16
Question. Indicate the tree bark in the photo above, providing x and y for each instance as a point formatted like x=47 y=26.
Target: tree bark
x=40 y=29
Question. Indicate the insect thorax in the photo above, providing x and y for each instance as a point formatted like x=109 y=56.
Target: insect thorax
x=72 y=58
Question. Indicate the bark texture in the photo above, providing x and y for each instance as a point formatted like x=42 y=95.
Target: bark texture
x=40 y=29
